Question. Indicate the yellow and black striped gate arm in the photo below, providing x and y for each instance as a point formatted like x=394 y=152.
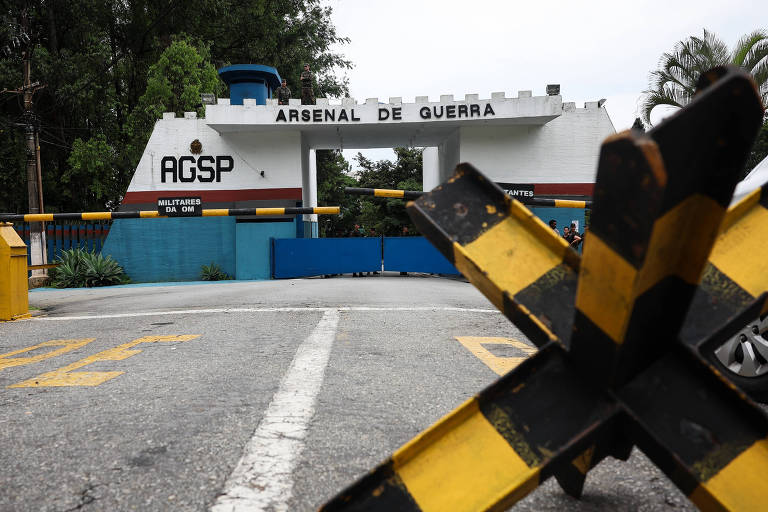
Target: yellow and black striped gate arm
x=415 y=194
x=152 y=214
x=612 y=371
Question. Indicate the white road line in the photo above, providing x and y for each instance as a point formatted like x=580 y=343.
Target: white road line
x=263 y=478
x=257 y=310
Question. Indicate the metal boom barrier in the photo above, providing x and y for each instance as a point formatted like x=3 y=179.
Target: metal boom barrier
x=415 y=194
x=611 y=372
x=152 y=214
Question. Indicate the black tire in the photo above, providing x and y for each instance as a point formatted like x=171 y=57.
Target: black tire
x=755 y=387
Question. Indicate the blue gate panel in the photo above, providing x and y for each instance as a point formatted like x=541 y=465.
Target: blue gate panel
x=300 y=257
x=415 y=254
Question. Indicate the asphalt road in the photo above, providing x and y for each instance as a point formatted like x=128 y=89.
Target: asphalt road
x=165 y=397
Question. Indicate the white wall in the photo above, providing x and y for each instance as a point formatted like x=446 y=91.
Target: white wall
x=565 y=150
x=448 y=155
x=278 y=154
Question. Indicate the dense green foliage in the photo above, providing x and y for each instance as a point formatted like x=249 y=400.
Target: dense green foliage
x=388 y=216
x=110 y=68
x=760 y=149
x=674 y=82
x=80 y=268
x=213 y=272
x=333 y=174
x=362 y=213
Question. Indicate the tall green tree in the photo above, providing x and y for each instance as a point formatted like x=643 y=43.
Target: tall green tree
x=94 y=58
x=388 y=216
x=174 y=84
x=333 y=174
x=674 y=82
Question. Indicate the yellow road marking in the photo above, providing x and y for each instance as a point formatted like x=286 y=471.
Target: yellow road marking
x=500 y=365
x=7 y=361
x=67 y=377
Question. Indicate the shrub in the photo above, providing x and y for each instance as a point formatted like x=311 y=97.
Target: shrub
x=213 y=272
x=81 y=268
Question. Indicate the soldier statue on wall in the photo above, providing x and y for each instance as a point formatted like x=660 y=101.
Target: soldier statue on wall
x=307 y=94
x=283 y=93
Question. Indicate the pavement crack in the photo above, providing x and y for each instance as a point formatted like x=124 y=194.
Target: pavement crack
x=86 y=497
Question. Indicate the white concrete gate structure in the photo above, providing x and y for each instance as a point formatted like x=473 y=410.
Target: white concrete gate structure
x=250 y=154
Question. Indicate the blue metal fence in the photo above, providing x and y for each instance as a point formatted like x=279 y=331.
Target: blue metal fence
x=321 y=256
x=301 y=257
x=64 y=236
x=415 y=254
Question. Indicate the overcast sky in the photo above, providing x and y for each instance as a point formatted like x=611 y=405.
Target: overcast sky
x=597 y=49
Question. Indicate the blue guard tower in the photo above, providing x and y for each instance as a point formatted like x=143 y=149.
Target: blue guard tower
x=255 y=81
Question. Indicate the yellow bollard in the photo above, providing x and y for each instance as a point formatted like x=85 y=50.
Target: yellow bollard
x=14 y=299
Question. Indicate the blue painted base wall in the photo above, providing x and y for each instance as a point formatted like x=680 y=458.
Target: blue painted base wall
x=254 y=247
x=152 y=250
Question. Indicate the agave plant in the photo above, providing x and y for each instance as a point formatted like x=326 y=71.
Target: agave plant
x=80 y=268
x=101 y=271
x=213 y=272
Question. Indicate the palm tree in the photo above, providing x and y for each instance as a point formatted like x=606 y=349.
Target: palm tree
x=674 y=82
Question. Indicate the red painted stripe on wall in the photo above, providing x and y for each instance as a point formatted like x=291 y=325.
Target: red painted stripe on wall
x=215 y=196
x=573 y=189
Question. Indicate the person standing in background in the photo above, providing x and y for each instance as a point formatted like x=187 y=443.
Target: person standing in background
x=307 y=94
x=283 y=93
x=553 y=225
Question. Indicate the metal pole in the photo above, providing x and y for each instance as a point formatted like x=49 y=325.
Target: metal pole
x=33 y=193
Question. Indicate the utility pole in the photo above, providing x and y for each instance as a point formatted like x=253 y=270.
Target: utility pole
x=37 y=245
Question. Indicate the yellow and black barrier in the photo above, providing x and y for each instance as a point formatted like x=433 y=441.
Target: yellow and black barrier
x=415 y=194
x=152 y=214
x=383 y=192
x=612 y=371
x=13 y=275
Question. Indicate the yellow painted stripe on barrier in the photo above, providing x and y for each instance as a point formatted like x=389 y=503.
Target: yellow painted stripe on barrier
x=67 y=377
x=609 y=284
x=544 y=234
x=510 y=255
x=689 y=242
x=149 y=214
x=463 y=463
x=7 y=361
x=605 y=288
x=569 y=203
x=38 y=217
x=328 y=210
x=383 y=192
x=740 y=209
x=96 y=215
x=216 y=212
x=738 y=486
x=739 y=251
x=270 y=211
